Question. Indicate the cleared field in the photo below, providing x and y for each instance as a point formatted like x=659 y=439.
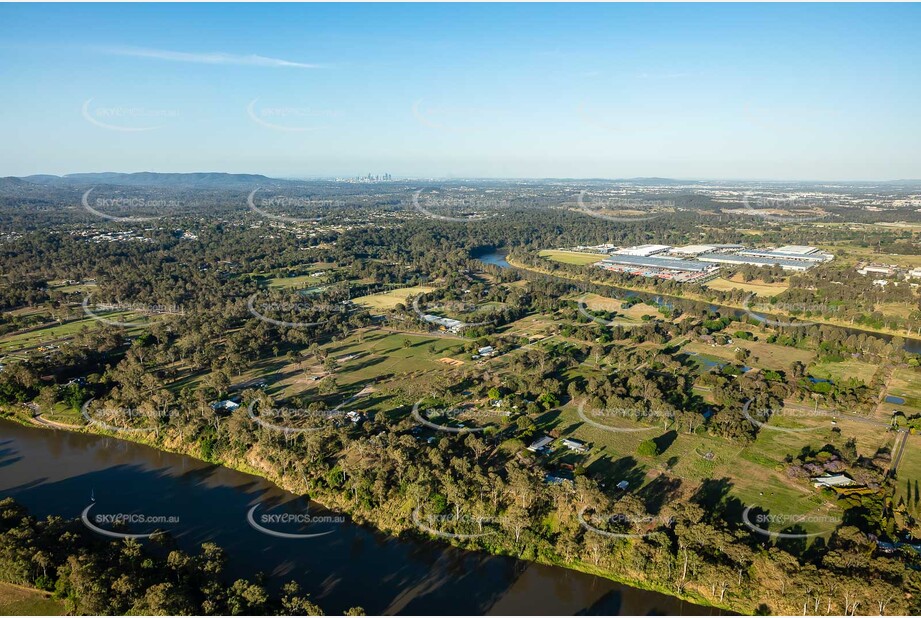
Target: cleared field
x=299 y=281
x=633 y=314
x=18 y=601
x=637 y=311
x=23 y=312
x=753 y=475
x=597 y=302
x=374 y=356
x=763 y=355
x=906 y=383
x=531 y=326
x=900 y=225
x=391 y=298
x=908 y=476
x=58 y=286
x=816 y=429
x=310 y=278
x=378 y=354
x=55 y=331
x=773 y=356
x=838 y=372
x=900 y=310
x=854 y=254
x=571 y=257
x=755 y=286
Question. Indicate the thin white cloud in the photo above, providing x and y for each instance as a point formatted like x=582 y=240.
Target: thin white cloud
x=251 y=60
x=677 y=75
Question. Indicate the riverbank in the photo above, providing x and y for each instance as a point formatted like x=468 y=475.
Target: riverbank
x=338 y=502
x=696 y=297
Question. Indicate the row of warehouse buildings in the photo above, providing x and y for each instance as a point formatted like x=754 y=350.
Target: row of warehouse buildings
x=700 y=263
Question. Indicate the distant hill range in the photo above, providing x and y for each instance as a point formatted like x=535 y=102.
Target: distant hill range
x=215 y=180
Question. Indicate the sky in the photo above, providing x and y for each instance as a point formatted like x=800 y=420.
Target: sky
x=711 y=91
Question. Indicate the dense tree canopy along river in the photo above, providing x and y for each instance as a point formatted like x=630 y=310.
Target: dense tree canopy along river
x=340 y=564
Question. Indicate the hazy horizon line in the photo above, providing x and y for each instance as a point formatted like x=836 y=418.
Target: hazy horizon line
x=482 y=177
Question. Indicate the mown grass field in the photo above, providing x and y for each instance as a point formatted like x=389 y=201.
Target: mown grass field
x=381 y=357
x=909 y=473
x=838 y=372
x=571 y=257
x=391 y=298
x=19 y=601
x=380 y=360
x=906 y=383
x=630 y=315
x=763 y=355
x=55 y=331
x=597 y=302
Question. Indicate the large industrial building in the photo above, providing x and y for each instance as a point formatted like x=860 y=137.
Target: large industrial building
x=643 y=250
x=795 y=253
x=656 y=262
x=684 y=271
x=698 y=249
x=756 y=260
x=788 y=257
x=699 y=263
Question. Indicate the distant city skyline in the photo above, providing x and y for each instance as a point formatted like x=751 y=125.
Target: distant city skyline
x=689 y=92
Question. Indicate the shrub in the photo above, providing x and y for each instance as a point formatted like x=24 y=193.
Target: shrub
x=647 y=448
